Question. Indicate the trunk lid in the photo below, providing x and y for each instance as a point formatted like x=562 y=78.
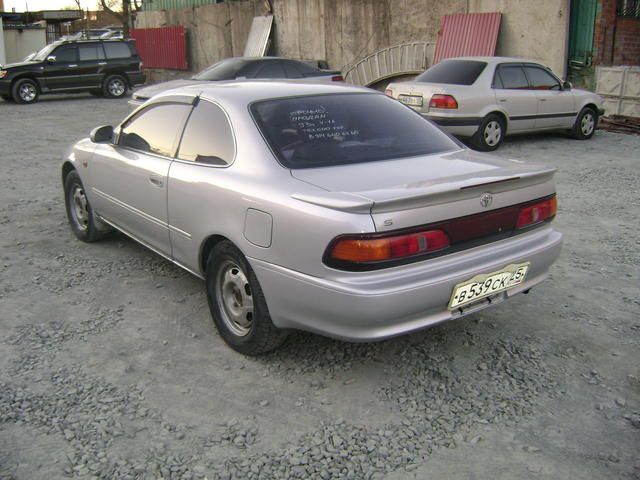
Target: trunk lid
x=415 y=191
x=424 y=90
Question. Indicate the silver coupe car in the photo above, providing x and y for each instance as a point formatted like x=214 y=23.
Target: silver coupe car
x=487 y=98
x=325 y=208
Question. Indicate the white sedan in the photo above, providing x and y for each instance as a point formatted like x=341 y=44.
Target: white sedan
x=486 y=98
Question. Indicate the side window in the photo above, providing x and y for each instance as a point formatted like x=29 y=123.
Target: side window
x=90 y=52
x=271 y=69
x=513 y=77
x=208 y=137
x=117 y=50
x=541 y=79
x=66 y=53
x=156 y=129
x=291 y=70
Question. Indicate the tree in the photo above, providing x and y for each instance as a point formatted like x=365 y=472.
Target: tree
x=123 y=10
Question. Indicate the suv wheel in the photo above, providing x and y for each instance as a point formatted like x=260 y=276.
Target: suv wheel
x=25 y=90
x=115 y=86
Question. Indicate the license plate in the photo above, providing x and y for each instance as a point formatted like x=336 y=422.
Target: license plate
x=411 y=100
x=482 y=286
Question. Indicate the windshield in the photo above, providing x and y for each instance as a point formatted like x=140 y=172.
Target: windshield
x=225 y=70
x=340 y=129
x=45 y=52
x=453 y=72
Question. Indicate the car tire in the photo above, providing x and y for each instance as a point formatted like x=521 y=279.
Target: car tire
x=83 y=223
x=25 y=90
x=115 y=86
x=7 y=98
x=490 y=133
x=585 y=125
x=237 y=304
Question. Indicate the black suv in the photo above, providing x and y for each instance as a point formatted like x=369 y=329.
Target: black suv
x=102 y=67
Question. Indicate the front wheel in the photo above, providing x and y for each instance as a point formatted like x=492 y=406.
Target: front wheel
x=115 y=86
x=25 y=90
x=237 y=304
x=585 y=125
x=79 y=212
x=490 y=134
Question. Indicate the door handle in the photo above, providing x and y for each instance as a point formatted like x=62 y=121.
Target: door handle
x=542 y=99
x=102 y=63
x=503 y=100
x=156 y=180
x=73 y=66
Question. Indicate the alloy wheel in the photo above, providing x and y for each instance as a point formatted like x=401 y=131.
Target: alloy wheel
x=27 y=92
x=116 y=87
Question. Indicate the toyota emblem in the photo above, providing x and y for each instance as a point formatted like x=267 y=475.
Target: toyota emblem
x=486 y=199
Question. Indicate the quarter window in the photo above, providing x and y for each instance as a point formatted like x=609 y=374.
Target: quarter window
x=90 y=52
x=513 y=77
x=541 y=79
x=117 y=50
x=208 y=137
x=155 y=129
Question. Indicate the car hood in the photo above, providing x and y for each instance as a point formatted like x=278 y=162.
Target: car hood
x=17 y=64
x=150 y=91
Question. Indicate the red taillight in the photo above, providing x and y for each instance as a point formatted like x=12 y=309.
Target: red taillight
x=538 y=212
x=380 y=249
x=388 y=92
x=337 y=78
x=442 y=101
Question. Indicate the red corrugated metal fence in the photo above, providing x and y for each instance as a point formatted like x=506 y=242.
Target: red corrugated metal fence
x=467 y=34
x=164 y=47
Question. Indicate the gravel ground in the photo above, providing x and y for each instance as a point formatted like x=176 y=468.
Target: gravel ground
x=110 y=366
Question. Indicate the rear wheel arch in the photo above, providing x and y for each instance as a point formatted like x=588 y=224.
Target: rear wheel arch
x=504 y=117
x=207 y=247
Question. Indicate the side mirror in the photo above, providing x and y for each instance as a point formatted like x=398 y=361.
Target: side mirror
x=51 y=58
x=102 y=134
x=567 y=86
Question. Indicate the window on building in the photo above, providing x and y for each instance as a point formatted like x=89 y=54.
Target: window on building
x=629 y=8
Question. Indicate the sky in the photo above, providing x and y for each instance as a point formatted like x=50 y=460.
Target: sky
x=35 y=5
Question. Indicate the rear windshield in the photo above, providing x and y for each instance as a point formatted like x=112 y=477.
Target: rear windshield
x=340 y=129
x=227 y=69
x=453 y=72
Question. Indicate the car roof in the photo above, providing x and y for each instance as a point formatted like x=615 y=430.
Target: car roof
x=495 y=60
x=247 y=92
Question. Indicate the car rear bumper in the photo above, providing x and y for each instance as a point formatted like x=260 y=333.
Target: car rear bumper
x=386 y=303
x=456 y=125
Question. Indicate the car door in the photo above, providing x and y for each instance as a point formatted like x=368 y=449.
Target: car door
x=514 y=96
x=206 y=150
x=91 y=62
x=61 y=72
x=129 y=177
x=555 y=105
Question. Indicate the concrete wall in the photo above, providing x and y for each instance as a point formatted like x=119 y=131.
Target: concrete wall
x=537 y=30
x=20 y=43
x=344 y=31
x=3 y=58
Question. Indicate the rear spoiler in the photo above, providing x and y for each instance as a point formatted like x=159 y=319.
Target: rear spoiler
x=390 y=199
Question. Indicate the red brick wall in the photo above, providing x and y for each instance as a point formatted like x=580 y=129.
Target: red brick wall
x=616 y=40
